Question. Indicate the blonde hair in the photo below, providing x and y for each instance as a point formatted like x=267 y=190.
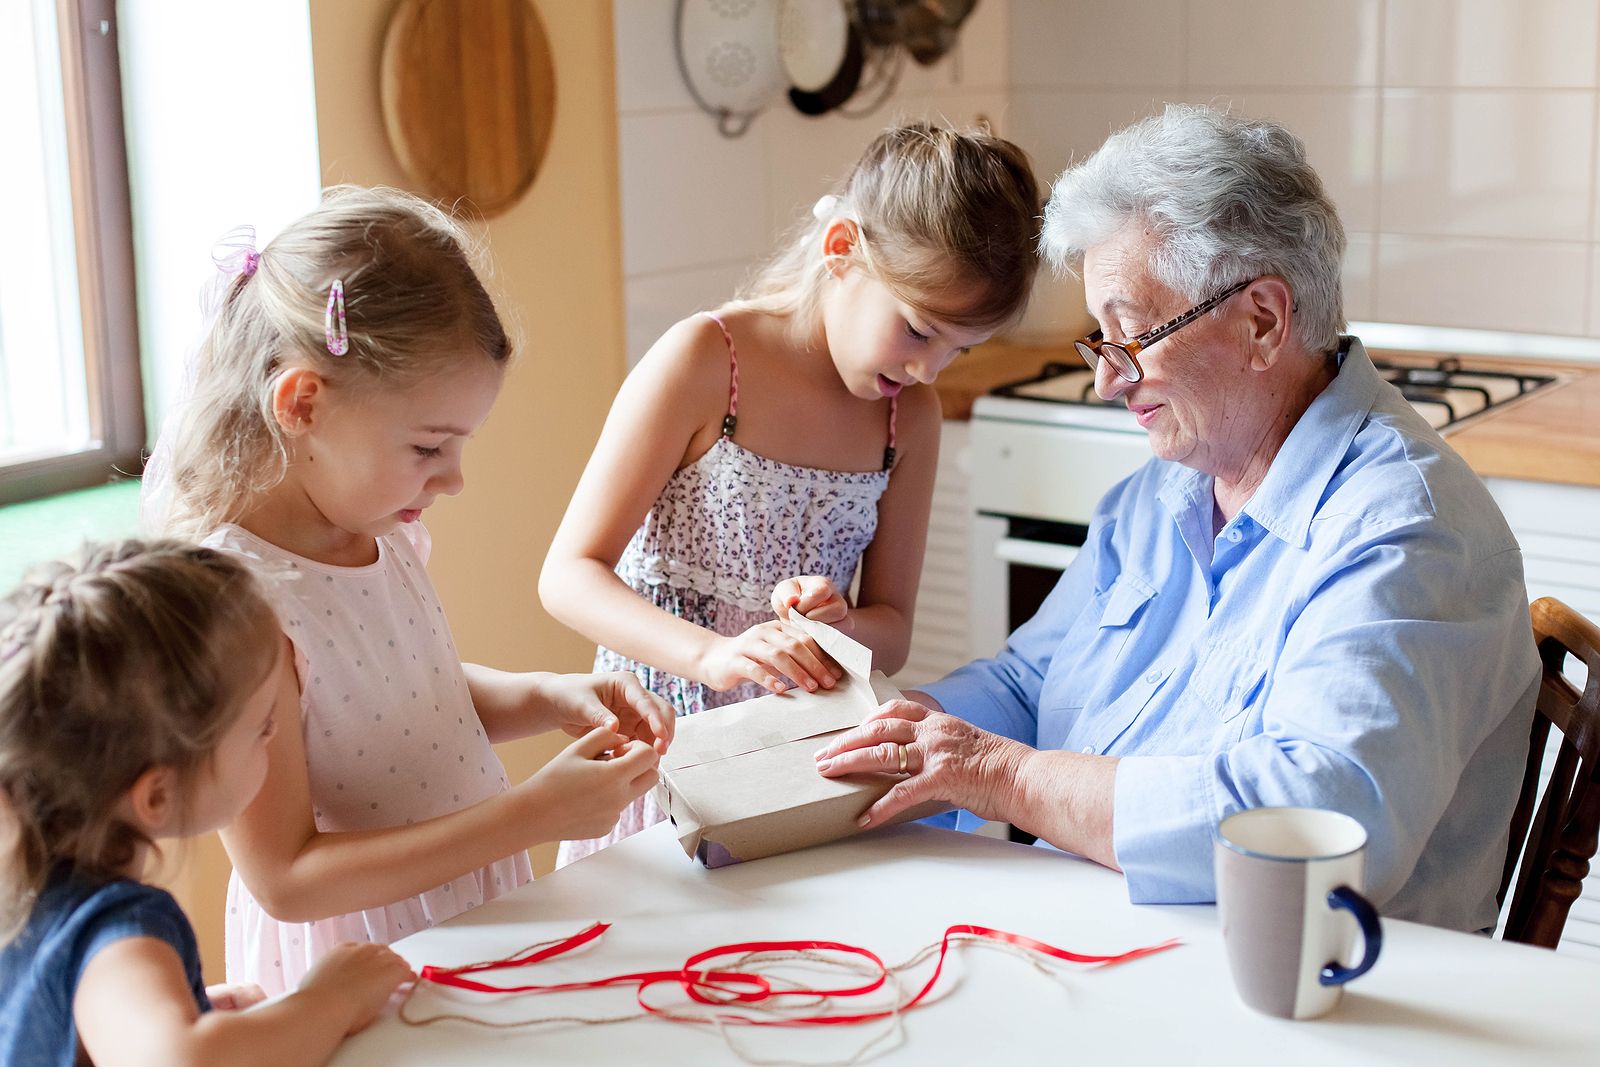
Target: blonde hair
x=413 y=304
x=938 y=209
x=139 y=656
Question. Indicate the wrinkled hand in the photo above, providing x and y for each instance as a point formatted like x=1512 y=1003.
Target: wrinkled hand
x=581 y=791
x=766 y=654
x=946 y=758
x=813 y=596
x=361 y=976
x=616 y=702
x=235 y=996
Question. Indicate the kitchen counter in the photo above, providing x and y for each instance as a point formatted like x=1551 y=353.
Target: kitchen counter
x=1551 y=436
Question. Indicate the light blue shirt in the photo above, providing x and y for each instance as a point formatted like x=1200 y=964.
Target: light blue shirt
x=1356 y=638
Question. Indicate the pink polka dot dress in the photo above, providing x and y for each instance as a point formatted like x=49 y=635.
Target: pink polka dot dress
x=391 y=738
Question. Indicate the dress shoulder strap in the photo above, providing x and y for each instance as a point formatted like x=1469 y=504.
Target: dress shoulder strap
x=888 y=450
x=731 y=419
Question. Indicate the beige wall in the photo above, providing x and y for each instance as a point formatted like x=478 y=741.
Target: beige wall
x=558 y=280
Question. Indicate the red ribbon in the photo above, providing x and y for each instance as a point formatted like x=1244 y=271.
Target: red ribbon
x=710 y=985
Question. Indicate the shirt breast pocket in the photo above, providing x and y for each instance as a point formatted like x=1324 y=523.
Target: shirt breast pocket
x=1228 y=679
x=1096 y=640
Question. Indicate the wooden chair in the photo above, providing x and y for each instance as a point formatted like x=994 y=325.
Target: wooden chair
x=1556 y=839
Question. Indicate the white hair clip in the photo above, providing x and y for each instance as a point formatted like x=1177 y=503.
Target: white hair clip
x=825 y=207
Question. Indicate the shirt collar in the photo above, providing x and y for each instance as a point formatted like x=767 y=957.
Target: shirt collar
x=1288 y=497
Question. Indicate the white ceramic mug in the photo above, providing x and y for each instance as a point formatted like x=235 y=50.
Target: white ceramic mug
x=1289 y=892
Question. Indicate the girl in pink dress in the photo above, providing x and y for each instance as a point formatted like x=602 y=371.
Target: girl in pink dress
x=790 y=439
x=349 y=362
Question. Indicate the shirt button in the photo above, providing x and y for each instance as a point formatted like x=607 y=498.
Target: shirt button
x=1153 y=677
x=1088 y=750
x=1235 y=536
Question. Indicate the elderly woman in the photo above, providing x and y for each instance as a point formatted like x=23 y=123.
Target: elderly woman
x=1305 y=598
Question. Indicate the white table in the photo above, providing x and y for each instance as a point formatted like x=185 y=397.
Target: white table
x=1435 y=996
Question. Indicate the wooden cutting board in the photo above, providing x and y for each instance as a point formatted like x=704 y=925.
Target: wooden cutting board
x=468 y=91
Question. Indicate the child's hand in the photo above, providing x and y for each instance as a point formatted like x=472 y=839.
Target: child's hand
x=580 y=792
x=235 y=997
x=765 y=654
x=814 y=597
x=615 y=702
x=361 y=976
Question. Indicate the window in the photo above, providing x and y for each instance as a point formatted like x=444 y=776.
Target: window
x=71 y=408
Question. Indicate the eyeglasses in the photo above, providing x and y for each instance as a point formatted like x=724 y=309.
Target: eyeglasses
x=1123 y=357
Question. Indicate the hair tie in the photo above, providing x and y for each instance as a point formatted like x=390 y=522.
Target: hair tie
x=338 y=340
x=235 y=252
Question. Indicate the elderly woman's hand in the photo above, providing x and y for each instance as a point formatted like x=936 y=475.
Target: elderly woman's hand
x=942 y=757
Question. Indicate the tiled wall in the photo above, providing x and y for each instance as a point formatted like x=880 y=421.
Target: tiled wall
x=699 y=211
x=1458 y=137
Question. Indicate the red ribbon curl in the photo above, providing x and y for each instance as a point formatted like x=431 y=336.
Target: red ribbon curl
x=714 y=986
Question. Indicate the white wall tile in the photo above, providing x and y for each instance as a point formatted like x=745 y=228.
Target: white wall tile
x=1593 y=327
x=1490 y=43
x=1487 y=163
x=1058 y=127
x=647 y=65
x=689 y=195
x=983 y=51
x=1242 y=43
x=805 y=155
x=1097 y=44
x=980 y=59
x=1340 y=131
x=657 y=301
x=1360 y=251
x=1526 y=286
x=1594 y=177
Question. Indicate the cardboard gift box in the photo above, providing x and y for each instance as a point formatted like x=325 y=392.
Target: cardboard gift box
x=740 y=782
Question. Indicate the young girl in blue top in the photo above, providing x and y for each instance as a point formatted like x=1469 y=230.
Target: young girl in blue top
x=136 y=702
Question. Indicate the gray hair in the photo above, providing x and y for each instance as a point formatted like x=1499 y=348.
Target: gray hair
x=1229 y=200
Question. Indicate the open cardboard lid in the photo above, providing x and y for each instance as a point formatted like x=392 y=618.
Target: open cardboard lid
x=737 y=729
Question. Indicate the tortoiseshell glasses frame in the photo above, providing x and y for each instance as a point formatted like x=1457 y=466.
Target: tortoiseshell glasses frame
x=1124 y=357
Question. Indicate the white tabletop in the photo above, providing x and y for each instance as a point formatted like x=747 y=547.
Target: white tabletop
x=1434 y=996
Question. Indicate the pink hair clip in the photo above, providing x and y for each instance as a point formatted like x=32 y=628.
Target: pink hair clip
x=338 y=340
x=252 y=260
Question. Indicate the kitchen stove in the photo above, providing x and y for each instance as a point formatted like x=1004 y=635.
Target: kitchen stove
x=1443 y=390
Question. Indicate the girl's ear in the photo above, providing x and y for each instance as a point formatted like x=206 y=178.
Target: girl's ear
x=295 y=398
x=153 y=801
x=838 y=243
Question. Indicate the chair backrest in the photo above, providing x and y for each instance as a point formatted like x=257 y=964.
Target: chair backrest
x=1554 y=835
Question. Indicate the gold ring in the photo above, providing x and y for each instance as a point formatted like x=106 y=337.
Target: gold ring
x=902 y=759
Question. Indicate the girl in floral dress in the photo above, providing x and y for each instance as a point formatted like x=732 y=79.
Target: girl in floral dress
x=758 y=456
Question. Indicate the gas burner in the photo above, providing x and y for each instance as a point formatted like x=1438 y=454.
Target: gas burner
x=1445 y=392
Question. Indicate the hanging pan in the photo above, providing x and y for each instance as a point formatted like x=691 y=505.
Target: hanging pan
x=841 y=86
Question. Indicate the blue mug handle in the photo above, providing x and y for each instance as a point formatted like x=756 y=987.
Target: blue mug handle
x=1371 y=933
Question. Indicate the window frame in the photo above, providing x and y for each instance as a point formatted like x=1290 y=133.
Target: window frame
x=97 y=164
